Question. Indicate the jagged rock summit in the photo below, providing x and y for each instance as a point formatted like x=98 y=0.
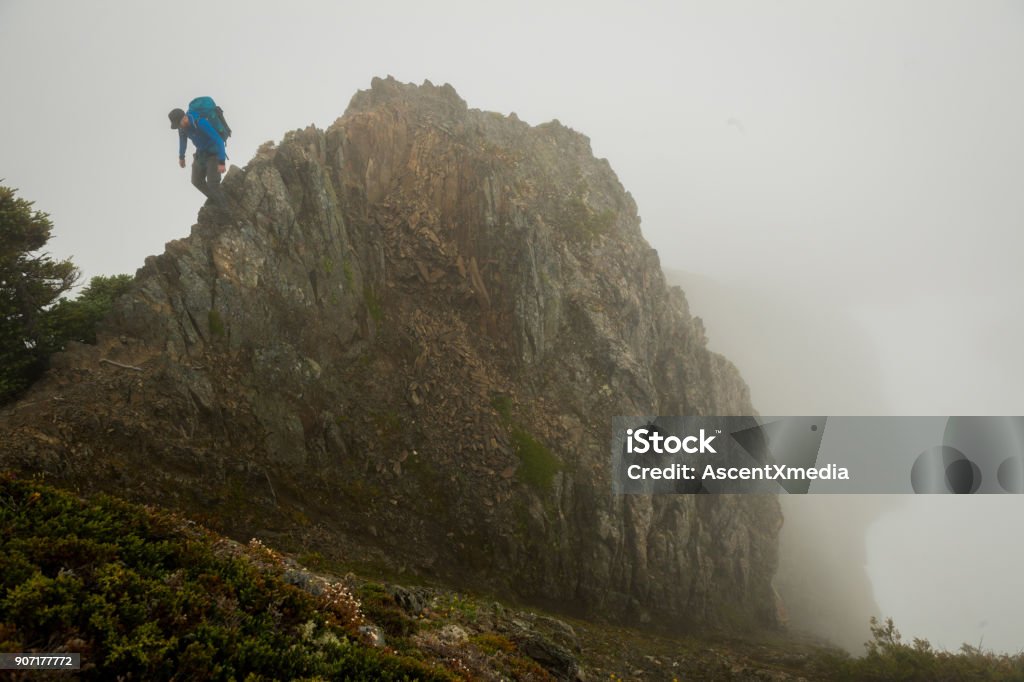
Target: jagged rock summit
x=405 y=350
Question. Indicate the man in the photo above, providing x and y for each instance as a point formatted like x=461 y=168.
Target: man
x=208 y=163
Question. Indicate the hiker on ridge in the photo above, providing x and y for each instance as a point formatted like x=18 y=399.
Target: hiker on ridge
x=208 y=163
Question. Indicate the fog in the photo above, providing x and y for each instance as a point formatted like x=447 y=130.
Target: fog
x=946 y=568
x=839 y=181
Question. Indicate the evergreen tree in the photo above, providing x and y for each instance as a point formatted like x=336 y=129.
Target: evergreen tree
x=77 y=319
x=30 y=282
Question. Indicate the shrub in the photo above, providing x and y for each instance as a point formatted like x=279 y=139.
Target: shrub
x=888 y=657
x=537 y=464
x=141 y=598
x=30 y=282
x=77 y=319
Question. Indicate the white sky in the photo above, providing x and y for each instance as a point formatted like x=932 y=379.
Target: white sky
x=869 y=152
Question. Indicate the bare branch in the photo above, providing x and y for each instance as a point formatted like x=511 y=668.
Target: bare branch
x=118 y=364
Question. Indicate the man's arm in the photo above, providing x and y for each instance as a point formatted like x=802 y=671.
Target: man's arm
x=182 y=143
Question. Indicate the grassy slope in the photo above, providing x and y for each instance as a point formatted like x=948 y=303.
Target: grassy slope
x=145 y=594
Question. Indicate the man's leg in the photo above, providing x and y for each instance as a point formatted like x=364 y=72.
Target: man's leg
x=213 y=188
x=199 y=164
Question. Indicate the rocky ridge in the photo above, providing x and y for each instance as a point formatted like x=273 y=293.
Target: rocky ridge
x=405 y=350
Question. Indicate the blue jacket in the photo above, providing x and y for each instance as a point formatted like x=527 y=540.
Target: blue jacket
x=204 y=136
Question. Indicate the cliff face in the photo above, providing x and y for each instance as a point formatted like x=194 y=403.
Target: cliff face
x=407 y=349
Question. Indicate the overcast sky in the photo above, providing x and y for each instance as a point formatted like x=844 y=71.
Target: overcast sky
x=865 y=156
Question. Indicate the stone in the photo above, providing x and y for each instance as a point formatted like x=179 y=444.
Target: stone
x=372 y=635
x=287 y=341
x=552 y=657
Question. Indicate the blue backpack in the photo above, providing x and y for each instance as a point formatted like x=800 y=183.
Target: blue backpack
x=205 y=107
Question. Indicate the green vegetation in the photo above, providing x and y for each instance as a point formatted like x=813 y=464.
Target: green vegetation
x=582 y=222
x=462 y=608
x=34 y=321
x=372 y=304
x=502 y=404
x=492 y=643
x=889 y=658
x=382 y=609
x=216 y=324
x=346 y=270
x=142 y=595
x=30 y=283
x=537 y=464
x=77 y=319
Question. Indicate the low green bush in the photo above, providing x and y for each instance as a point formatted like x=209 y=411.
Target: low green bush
x=888 y=657
x=144 y=595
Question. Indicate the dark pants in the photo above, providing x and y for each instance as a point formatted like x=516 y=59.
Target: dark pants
x=206 y=177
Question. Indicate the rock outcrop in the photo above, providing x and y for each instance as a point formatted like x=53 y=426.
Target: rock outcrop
x=406 y=349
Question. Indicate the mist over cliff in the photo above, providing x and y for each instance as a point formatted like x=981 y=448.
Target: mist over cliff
x=944 y=567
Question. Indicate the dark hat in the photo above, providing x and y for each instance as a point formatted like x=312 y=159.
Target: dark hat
x=176 y=115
